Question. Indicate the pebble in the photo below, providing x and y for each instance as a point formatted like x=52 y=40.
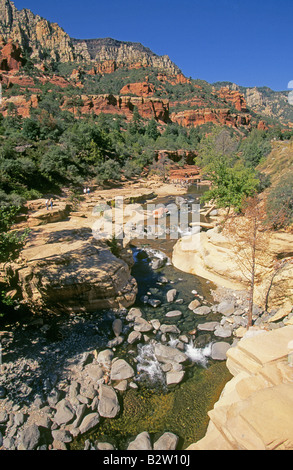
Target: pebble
x=173 y=313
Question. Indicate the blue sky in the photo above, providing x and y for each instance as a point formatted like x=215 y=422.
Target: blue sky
x=246 y=42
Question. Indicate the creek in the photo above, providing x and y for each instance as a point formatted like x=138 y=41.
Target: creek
x=153 y=406
x=48 y=353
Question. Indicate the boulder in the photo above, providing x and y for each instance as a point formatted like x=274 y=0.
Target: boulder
x=117 y=326
x=208 y=326
x=174 y=377
x=223 y=331
x=168 y=441
x=105 y=357
x=133 y=313
x=173 y=313
x=204 y=310
x=89 y=422
x=64 y=412
x=168 y=354
x=157 y=263
x=226 y=308
x=142 y=325
x=121 y=370
x=30 y=438
x=134 y=337
x=62 y=435
x=194 y=304
x=219 y=351
x=108 y=405
x=104 y=446
x=71 y=271
x=169 y=329
x=94 y=371
x=141 y=442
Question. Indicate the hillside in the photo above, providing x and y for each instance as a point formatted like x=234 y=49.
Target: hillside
x=93 y=73
x=43 y=40
x=264 y=101
x=279 y=162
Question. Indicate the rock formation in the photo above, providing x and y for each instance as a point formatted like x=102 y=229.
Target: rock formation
x=234 y=97
x=254 y=411
x=210 y=255
x=44 y=40
x=34 y=34
x=148 y=107
x=220 y=116
x=10 y=56
x=111 y=54
x=63 y=268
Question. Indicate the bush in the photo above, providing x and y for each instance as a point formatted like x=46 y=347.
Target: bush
x=230 y=186
x=110 y=170
x=279 y=205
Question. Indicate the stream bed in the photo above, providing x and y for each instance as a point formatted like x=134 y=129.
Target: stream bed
x=154 y=407
x=49 y=354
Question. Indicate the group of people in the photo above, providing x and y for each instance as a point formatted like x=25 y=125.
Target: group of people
x=49 y=203
x=86 y=191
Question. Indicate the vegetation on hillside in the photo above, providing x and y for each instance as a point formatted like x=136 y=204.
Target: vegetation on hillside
x=53 y=148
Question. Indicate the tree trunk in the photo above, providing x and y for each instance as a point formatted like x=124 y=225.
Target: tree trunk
x=251 y=295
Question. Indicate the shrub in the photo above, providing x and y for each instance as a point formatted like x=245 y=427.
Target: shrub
x=279 y=204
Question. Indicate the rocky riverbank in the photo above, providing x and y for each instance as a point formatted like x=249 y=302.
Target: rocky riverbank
x=63 y=267
x=63 y=376
x=54 y=389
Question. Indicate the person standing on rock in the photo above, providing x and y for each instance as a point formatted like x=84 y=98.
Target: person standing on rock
x=47 y=204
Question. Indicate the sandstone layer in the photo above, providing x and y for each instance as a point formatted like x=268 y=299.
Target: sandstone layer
x=211 y=255
x=254 y=411
x=63 y=267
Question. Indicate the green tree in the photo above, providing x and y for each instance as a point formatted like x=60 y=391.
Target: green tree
x=135 y=127
x=11 y=241
x=217 y=145
x=152 y=129
x=109 y=170
x=254 y=148
x=230 y=186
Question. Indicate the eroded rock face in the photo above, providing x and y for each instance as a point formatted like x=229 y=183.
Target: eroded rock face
x=209 y=255
x=34 y=32
x=138 y=89
x=10 y=55
x=222 y=116
x=148 y=107
x=254 y=411
x=68 y=270
x=234 y=97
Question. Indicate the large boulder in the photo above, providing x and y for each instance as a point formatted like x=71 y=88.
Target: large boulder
x=66 y=269
x=89 y=422
x=30 y=438
x=219 y=351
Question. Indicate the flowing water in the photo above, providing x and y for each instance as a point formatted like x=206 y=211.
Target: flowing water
x=154 y=407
